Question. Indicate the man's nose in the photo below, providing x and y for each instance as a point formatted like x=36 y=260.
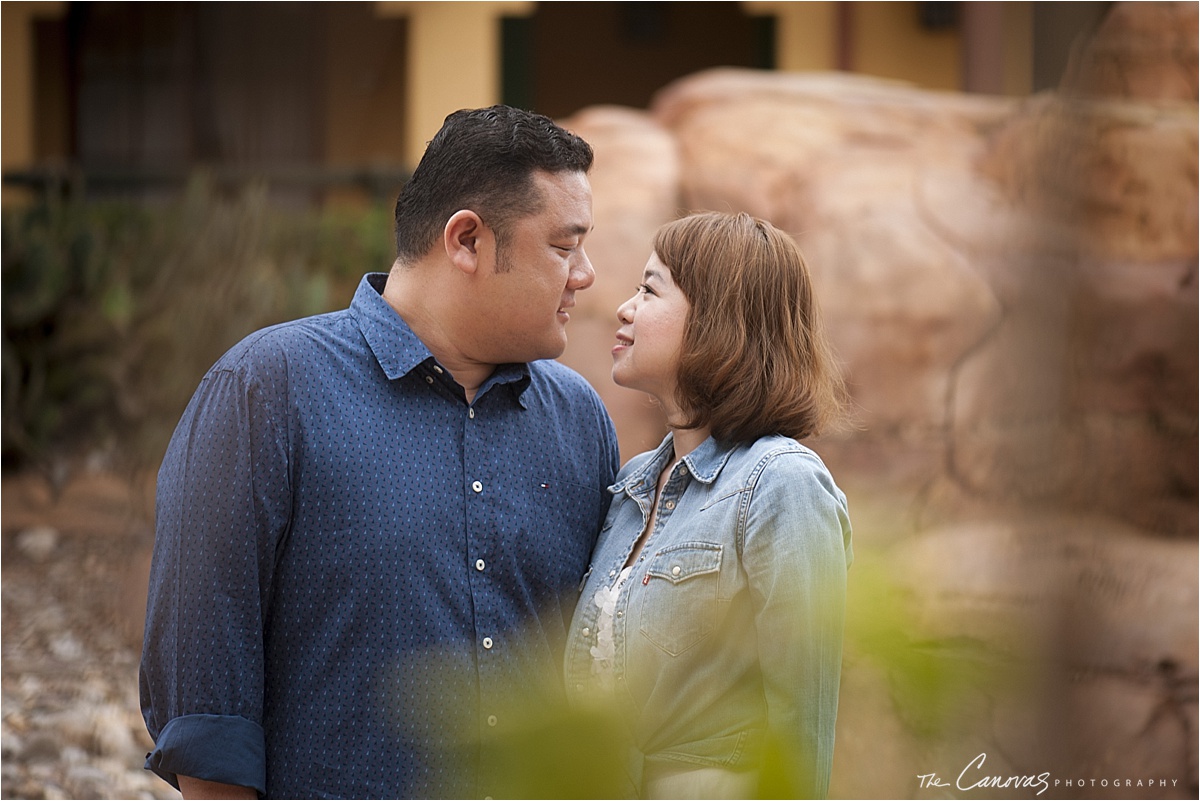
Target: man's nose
x=583 y=275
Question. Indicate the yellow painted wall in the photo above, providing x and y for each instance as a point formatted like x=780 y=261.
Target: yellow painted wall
x=886 y=40
x=889 y=42
x=17 y=145
x=16 y=74
x=402 y=66
x=805 y=34
x=453 y=61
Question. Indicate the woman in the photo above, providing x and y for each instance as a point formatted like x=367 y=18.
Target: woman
x=711 y=617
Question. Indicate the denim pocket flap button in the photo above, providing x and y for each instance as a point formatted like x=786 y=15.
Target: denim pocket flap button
x=681 y=562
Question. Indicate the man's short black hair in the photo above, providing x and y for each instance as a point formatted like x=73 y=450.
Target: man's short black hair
x=483 y=160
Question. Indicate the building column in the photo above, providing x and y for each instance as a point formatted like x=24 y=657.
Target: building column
x=454 y=61
x=17 y=144
x=806 y=34
x=997 y=47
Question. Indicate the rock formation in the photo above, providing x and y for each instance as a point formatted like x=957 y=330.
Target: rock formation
x=1011 y=284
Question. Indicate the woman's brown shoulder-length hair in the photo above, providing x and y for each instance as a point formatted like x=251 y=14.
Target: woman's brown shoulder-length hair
x=754 y=359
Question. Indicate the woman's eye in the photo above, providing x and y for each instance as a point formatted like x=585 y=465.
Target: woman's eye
x=643 y=288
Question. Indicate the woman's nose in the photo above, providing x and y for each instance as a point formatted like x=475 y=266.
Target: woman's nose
x=625 y=311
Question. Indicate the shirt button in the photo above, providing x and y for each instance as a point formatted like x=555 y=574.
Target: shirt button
x=612 y=573
x=477 y=486
x=437 y=369
x=587 y=632
x=471 y=412
x=487 y=642
x=428 y=379
x=620 y=614
x=670 y=505
x=675 y=570
x=491 y=720
x=578 y=688
x=479 y=565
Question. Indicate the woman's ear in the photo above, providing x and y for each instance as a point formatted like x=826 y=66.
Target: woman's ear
x=463 y=237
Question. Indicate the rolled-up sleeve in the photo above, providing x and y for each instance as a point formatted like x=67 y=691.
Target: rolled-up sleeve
x=796 y=552
x=220 y=748
x=223 y=503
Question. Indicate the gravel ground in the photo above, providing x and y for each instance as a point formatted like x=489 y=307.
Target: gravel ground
x=73 y=590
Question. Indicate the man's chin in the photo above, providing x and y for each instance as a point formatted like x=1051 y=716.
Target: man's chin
x=546 y=350
x=554 y=353
x=558 y=346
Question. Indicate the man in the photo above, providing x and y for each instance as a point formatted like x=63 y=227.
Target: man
x=372 y=524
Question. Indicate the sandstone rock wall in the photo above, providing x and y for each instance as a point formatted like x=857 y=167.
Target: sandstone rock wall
x=1011 y=285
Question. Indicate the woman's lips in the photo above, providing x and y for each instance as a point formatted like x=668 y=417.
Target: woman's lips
x=623 y=342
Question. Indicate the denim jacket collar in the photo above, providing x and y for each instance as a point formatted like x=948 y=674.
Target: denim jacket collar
x=704 y=463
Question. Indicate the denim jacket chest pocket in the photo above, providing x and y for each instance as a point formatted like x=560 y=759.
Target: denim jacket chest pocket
x=679 y=600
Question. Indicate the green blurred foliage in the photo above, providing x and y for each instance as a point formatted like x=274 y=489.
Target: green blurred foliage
x=940 y=687
x=560 y=752
x=556 y=752
x=938 y=683
x=112 y=311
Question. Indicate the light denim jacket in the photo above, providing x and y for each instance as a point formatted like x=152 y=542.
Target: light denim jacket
x=728 y=632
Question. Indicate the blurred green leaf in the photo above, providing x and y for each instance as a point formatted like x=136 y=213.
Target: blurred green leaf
x=117 y=304
x=936 y=681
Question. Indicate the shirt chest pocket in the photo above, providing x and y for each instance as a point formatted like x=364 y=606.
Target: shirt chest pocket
x=679 y=599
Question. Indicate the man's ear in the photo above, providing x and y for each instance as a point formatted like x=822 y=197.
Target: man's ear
x=463 y=237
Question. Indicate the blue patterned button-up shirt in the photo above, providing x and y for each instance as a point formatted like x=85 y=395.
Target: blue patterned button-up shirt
x=355 y=570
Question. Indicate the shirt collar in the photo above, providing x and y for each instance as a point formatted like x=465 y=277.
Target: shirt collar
x=398 y=350
x=704 y=463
